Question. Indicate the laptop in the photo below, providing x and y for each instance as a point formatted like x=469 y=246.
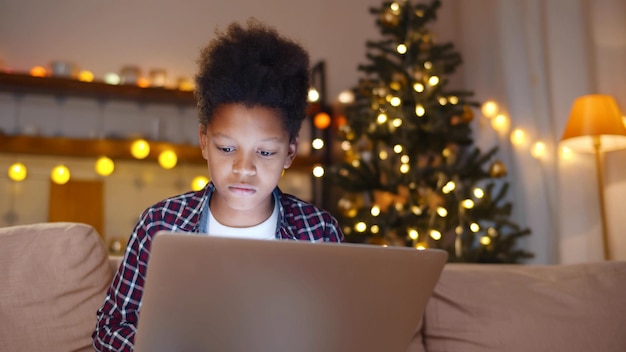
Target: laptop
x=207 y=293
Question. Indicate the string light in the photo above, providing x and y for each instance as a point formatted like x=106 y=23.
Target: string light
x=317 y=143
x=318 y=171
x=419 y=110
x=489 y=109
x=104 y=166
x=448 y=187
x=313 y=95
x=401 y=49
x=140 y=149
x=418 y=87
x=413 y=234
x=500 y=123
x=538 y=150
x=111 y=78
x=468 y=204
x=321 y=120
x=435 y=235
x=518 y=137
x=168 y=159
x=199 y=182
x=375 y=211
x=17 y=172
x=360 y=226
x=85 y=76
x=346 y=97
x=60 y=174
x=38 y=71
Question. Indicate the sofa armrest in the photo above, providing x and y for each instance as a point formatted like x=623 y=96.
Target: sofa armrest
x=54 y=277
x=492 y=307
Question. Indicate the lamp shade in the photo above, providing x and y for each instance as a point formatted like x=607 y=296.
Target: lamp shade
x=596 y=117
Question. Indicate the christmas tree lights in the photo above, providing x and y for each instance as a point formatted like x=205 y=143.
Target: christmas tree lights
x=411 y=174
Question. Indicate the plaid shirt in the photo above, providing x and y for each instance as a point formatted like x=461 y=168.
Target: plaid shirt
x=117 y=318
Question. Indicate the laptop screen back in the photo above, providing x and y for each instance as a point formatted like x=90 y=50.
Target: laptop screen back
x=205 y=293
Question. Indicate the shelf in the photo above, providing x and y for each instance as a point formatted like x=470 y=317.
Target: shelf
x=114 y=149
x=18 y=83
x=65 y=87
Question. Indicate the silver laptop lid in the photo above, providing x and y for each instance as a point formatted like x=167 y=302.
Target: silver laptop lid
x=205 y=293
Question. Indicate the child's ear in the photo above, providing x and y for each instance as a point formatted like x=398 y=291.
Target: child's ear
x=291 y=153
x=202 y=138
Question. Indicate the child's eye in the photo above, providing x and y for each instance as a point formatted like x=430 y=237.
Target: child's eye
x=266 y=153
x=226 y=149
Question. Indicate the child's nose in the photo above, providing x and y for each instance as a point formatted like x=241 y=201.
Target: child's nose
x=244 y=166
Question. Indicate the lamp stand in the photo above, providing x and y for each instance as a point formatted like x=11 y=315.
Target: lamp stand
x=600 y=176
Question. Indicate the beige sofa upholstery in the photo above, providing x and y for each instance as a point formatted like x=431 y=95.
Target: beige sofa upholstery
x=54 y=277
x=489 y=308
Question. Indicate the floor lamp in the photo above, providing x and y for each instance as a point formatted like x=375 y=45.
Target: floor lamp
x=595 y=125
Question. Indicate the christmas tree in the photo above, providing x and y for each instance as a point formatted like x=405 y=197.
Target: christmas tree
x=411 y=175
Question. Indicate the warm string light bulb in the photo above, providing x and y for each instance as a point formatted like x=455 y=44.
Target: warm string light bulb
x=346 y=97
x=489 y=109
x=318 y=171
x=317 y=143
x=140 y=149
x=17 y=172
x=38 y=71
x=321 y=120
x=60 y=174
x=538 y=150
x=518 y=137
x=500 y=123
x=104 y=166
x=168 y=159
x=85 y=76
x=199 y=182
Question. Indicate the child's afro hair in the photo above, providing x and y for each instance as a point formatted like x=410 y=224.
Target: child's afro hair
x=254 y=66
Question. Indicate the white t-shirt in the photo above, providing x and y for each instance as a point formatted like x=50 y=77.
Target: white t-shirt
x=264 y=231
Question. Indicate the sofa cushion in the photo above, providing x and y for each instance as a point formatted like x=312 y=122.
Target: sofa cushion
x=54 y=277
x=576 y=307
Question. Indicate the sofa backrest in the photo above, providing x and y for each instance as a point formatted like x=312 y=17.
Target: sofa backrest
x=53 y=278
x=491 y=307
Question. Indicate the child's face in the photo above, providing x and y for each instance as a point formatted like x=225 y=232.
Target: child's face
x=246 y=150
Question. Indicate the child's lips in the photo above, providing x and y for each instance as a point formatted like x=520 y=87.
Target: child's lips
x=242 y=189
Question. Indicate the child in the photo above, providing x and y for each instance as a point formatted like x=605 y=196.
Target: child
x=251 y=91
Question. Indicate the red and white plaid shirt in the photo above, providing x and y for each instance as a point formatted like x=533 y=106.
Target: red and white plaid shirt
x=117 y=318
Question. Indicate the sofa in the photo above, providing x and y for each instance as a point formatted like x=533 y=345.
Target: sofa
x=54 y=277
